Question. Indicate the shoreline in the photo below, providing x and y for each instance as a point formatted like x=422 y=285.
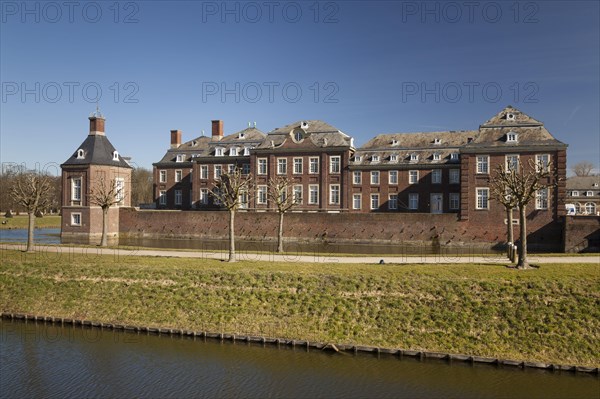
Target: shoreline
x=329 y=346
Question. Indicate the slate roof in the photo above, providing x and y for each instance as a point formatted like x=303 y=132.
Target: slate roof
x=191 y=149
x=583 y=184
x=319 y=134
x=97 y=150
x=501 y=119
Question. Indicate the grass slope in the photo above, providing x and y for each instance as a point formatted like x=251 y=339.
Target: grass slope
x=551 y=314
x=22 y=222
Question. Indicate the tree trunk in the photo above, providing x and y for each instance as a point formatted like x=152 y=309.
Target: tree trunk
x=104 y=241
x=510 y=234
x=231 y=236
x=30 y=231
x=523 y=262
x=280 y=233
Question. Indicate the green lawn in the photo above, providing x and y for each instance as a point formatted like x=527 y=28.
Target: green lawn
x=551 y=314
x=22 y=222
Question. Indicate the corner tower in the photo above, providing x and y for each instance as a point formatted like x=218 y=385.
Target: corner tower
x=94 y=164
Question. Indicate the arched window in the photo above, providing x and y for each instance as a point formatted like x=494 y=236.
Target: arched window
x=80 y=154
x=577 y=208
x=590 y=208
x=115 y=156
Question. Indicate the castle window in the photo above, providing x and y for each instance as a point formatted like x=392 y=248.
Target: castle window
x=393 y=177
x=180 y=158
x=374 y=201
x=119 y=190
x=261 y=166
x=233 y=152
x=394 y=142
x=162 y=176
x=204 y=196
x=246 y=169
x=334 y=164
x=356 y=201
x=357 y=158
x=80 y=154
x=218 y=152
x=393 y=201
x=589 y=193
x=512 y=162
x=298 y=194
x=162 y=197
x=313 y=165
x=298 y=169
x=542 y=162
x=218 y=171
x=261 y=195
x=437 y=141
x=541 y=199
x=413 y=176
x=483 y=162
x=414 y=157
x=76 y=189
x=393 y=158
x=178 y=174
x=246 y=151
x=454 y=156
x=454 y=176
x=231 y=169
x=575 y=193
x=178 y=197
x=357 y=177
x=437 y=157
x=281 y=166
x=313 y=194
x=510 y=117
x=76 y=219
x=590 y=208
x=512 y=137
x=413 y=201
x=203 y=172
x=436 y=176
x=334 y=194
x=454 y=201
x=483 y=195
x=375 y=177
x=375 y=158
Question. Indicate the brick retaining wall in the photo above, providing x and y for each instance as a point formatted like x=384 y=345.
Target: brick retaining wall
x=582 y=234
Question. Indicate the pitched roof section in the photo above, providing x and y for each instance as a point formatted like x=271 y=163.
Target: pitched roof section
x=535 y=136
x=422 y=140
x=97 y=150
x=319 y=134
x=511 y=116
x=583 y=183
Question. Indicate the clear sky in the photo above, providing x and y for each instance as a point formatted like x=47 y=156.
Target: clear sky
x=366 y=67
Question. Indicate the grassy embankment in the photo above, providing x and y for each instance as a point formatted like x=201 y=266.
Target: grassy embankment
x=22 y=222
x=551 y=314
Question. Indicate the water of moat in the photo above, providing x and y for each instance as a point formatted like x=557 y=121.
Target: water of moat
x=322 y=249
x=42 y=360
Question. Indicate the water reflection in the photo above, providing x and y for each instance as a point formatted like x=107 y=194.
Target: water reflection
x=40 y=360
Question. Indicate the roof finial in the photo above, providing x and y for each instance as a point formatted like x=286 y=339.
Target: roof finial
x=97 y=114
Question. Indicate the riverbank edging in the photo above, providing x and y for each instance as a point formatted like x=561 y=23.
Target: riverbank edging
x=421 y=355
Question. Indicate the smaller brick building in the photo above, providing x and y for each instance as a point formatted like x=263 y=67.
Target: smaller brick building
x=93 y=162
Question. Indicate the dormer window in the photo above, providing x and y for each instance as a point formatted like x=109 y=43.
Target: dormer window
x=437 y=141
x=115 y=156
x=80 y=154
x=194 y=143
x=589 y=193
x=233 y=152
x=437 y=157
x=510 y=117
x=511 y=137
x=394 y=142
x=241 y=135
x=575 y=193
x=454 y=156
x=595 y=185
x=393 y=158
x=375 y=158
x=218 y=152
x=414 y=157
x=357 y=158
x=246 y=151
x=180 y=158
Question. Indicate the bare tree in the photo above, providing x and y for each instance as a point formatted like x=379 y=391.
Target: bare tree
x=231 y=191
x=141 y=187
x=583 y=168
x=499 y=192
x=33 y=191
x=522 y=186
x=281 y=195
x=106 y=193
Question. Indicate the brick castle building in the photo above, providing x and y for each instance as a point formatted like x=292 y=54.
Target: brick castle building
x=433 y=172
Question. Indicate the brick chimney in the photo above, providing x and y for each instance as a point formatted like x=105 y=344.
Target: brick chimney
x=96 y=124
x=175 y=138
x=217 y=130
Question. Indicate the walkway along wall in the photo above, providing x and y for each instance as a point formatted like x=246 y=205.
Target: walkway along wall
x=384 y=228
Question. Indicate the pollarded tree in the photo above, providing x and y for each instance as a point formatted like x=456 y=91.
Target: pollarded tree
x=281 y=195
x=498 y=191
x=232 y=191
x=523 y=185
x=106 y=193
x=33 y=191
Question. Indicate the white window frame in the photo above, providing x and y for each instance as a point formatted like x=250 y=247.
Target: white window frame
x=80 y=154
x=119 y=190
x=203 y=172
x=178 y=197
x=454 y=201
x=76 y=188
x=374 y=200
x=507 y=164
x=204 y=195
x=454 y=156
x=162 y=197
x=220 y=173
x=375 y=177
x=478 y=196
x=454 y=176
x=115 y=155
x=355 y=198
x=590 y=208
x=75 y=215
x=575 y=193
x=393 y=158
x=482 y=164
x=230 y=168
x=298 y=166
x=162 y=176
x=246 y=151
x=539 y=160
x=180 y=158
x=313 y=188
x=414 y=157
x=313 y=165
x=334 y=194
x=542 y=200
x=413 y=177
x=298 y=192
x=512 y=137
x=393 y=201
x=436 y=176
x=393 y=177
x=589 y=193
x=335 y=164
x=262 y=166
x=375 y=158
x=219 y=151
x=282 y=166
x=357 y=177
x=261 y=194
x=233 y=152
x=437 y=156
x=178 y=175
x=413 y=201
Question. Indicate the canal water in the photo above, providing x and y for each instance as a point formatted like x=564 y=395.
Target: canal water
x=40 y=360
x=52 y=236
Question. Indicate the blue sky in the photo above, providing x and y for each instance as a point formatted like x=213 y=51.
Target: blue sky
x=364 y=67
